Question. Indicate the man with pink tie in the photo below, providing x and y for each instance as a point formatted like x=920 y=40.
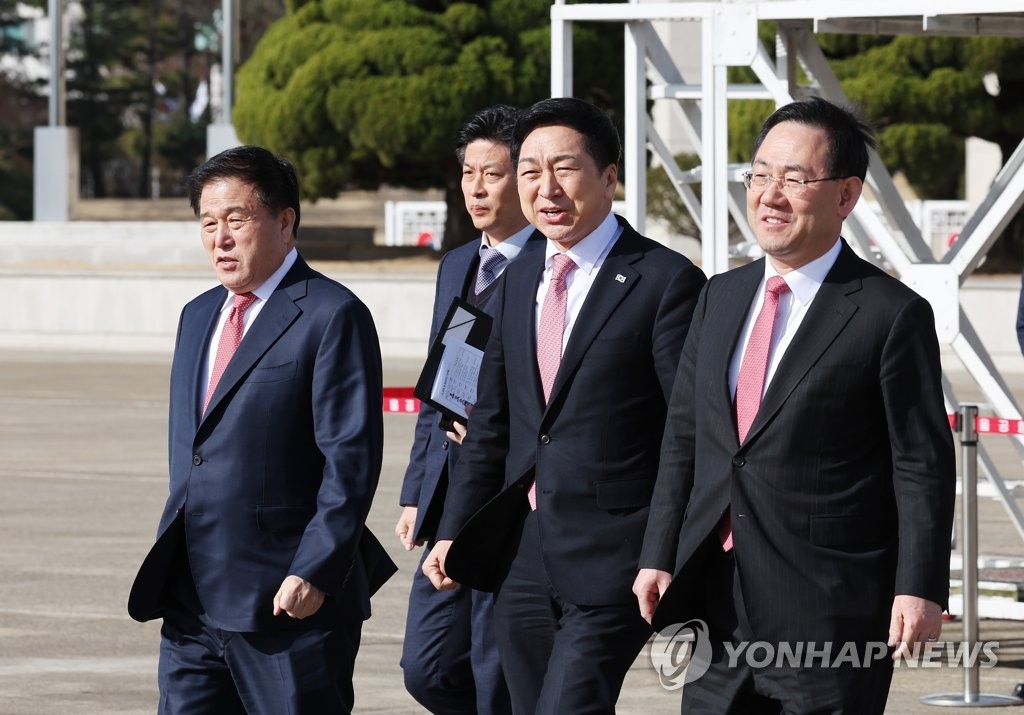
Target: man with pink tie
x=548 y=502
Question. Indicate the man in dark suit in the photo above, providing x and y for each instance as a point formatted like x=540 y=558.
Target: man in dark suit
x=449 y=657
x=805 y=494
x=561 y=456
x=262 y=569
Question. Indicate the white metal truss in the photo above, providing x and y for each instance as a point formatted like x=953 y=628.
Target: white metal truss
x=729 y=38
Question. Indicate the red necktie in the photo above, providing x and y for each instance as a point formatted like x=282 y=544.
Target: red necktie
x=549 y=334
x=750 y=383
x=230 y=338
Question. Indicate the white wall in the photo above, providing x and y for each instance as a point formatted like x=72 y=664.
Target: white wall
x=119 y=286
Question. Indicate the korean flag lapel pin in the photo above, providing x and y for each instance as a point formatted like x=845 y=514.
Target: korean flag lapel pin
x=619 y=278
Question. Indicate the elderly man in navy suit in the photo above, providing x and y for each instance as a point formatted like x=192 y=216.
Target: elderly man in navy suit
x=805 y=495
x=262 y=569
x=551 y=493
x=449 y=656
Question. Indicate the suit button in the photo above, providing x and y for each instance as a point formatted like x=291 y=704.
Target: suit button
x=545 y=439
x=444 y=445
x=738 y=461
x=197 y=460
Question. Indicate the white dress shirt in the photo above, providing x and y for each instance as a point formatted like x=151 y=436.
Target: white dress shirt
x=803 y=283
x=262 y=294
x=509 y=248
x=588 y=255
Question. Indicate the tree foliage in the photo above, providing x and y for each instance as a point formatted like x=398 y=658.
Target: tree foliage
x=363 y=92
x=132 y=71
x=130 y=68
x=927 y=95
x=20 y=111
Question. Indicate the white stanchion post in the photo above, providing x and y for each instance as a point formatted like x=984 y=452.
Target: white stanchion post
x=970 y=697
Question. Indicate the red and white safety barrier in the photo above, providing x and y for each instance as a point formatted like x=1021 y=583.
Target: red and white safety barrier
x=400 y=399
x=993 y=425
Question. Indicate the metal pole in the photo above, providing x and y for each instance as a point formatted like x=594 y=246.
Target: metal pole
x=969 y=541
x=220 y=134
x=561 y=55
x=229 y=39
x=635 y=153
x=56 y=104
x=968 y=434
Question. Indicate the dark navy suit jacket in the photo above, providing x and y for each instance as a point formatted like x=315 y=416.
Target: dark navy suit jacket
x=433 y=456
x=278 y=476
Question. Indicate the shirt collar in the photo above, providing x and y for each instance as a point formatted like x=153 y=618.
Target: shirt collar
x=805 y=281
x=511 y=246
x=588 y=251
x=266 y=289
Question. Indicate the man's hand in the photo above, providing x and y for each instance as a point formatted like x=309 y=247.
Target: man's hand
x=914 y=620
x=459 y=432
x=406 y=526
x=649 y=587
x=298 y=598
x=433 y=567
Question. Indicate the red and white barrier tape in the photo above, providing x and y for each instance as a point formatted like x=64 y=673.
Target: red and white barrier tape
x=999 y=425
x=400 y=399
x=992 y=425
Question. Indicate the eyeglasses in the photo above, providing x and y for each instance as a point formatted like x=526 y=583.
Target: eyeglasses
x=788 y=185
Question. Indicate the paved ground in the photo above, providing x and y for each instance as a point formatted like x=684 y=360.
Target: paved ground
x=83 y=478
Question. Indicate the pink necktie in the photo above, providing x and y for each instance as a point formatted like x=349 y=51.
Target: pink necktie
x=230 y=338
x=750 y=383
x=549 y=334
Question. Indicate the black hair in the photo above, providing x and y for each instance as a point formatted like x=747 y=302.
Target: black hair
x=273 y=178
x=849 y=136
x=600 y=135
x=493 y=124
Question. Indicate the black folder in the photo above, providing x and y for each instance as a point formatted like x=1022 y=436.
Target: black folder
x=450 y=374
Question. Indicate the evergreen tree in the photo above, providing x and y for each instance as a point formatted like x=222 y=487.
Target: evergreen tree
x=363 y=92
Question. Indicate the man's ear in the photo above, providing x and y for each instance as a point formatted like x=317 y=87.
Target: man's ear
x=287 y=219
x=849 y=194
x=611 y=178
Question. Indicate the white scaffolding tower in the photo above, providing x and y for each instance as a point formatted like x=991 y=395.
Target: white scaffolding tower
x=729 y=38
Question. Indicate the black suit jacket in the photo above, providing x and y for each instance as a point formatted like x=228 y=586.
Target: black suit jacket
x=594 y=447
x=278 y=475
x=842 y=494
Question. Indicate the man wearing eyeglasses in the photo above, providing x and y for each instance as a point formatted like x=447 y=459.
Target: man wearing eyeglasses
x=804 y=498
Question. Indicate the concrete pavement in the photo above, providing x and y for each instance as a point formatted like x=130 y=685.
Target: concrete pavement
x=83 y=478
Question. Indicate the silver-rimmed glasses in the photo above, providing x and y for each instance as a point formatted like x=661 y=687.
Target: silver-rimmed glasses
x=789 y=185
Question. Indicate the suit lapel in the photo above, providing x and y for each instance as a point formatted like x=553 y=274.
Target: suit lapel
x=829 y=313
x=523 y=292
x=461 y=273
x=194 y=342
x=728 y=324
x=279 y=312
